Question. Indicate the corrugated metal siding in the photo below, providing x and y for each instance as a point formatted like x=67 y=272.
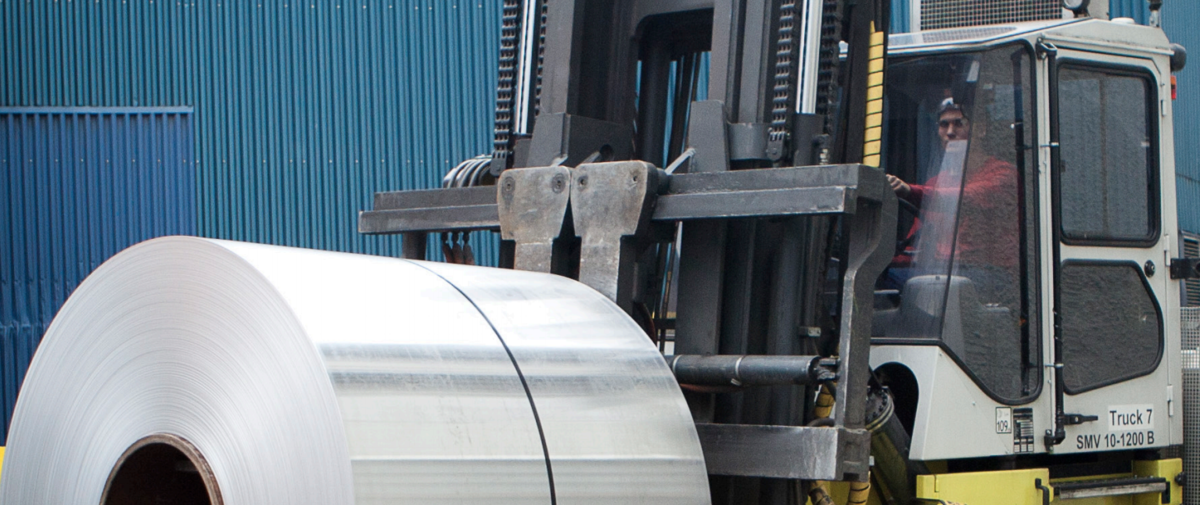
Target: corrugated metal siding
x=79 y=186
x=901 y=19
x=1139 y=10
x=303 y=109
x=1180 y=24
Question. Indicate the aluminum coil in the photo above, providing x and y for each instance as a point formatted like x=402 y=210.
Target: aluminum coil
x=276 y=375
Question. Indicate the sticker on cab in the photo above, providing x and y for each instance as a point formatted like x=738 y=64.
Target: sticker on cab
x=1003 y=420
x=1129 y=427
x=1130 y=417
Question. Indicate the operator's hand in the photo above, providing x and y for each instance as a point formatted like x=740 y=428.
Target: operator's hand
x=901 y=188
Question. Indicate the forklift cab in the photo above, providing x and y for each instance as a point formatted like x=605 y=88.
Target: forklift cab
x=1029 y=292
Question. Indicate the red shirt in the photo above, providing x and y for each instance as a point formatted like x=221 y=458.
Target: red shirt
x=988 y=215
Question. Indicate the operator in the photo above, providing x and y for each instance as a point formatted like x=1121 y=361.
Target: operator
x=985 y=244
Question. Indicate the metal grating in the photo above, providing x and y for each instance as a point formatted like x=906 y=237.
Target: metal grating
x=1190 y=330
x=899 y=40
x=936 y=14
x=1191 y=287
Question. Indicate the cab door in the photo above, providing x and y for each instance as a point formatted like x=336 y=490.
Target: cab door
x=1110 y=280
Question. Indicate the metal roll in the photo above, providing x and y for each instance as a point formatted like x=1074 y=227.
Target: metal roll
x=187 y=370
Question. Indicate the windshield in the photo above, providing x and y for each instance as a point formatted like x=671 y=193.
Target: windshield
x=959 y=150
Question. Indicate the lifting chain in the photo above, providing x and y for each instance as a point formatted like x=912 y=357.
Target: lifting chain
x=510 y=36
x=541 y=56
x=785 y=78
x=831 y=37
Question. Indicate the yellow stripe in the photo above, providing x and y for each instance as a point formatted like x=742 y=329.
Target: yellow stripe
x=874 y=129
x=1 y=459
x=824 y=403
x=859 y=491
x=873 y=134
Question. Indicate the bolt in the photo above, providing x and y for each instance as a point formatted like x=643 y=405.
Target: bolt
x=1148 y=268
x=558 y=183
x=583 y=181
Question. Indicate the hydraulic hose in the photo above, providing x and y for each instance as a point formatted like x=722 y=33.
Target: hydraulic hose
x=818 y=491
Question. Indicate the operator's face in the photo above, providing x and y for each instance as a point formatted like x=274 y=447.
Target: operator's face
x=952 y=126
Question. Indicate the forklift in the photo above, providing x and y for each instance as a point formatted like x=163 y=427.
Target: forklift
x=932 y=267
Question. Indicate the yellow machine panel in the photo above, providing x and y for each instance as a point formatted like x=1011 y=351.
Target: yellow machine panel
x=1020 y=487
x=1165 y=468
x=1012 y=487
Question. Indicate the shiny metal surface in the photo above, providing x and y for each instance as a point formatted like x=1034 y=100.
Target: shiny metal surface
x=434 y=411
x=617 y=428
x=327 y=378
x=786 y=452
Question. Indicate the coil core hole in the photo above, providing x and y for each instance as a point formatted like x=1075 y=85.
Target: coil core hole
x=161 y=469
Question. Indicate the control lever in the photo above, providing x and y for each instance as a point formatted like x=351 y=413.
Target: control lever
x=1073 y=419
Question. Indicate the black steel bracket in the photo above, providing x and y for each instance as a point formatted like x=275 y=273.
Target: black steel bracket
x=1045 y=491
x=1073 y=419
x=817 y=190
x=456 y=209
x=749 y=371
x=1185 y=268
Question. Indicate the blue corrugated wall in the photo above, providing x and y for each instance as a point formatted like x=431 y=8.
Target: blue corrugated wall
x=78 y=185
x=1180 y=23
x=900 y=22
x=1139 y=10
x=302 y=109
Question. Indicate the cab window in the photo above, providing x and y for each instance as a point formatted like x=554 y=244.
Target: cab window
x=1111 y=324
x=1107 y=167
x=959 y=135
x=1106 y=183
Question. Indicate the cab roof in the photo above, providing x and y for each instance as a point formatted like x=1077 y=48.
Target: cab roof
x=1086 y=30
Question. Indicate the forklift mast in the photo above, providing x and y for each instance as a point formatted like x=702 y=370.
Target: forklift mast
x=1016 y=332
x=735 y=222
